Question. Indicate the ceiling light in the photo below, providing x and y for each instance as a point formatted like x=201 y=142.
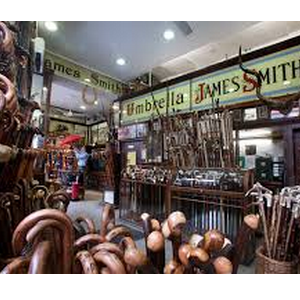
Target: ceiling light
x=87 y=80
x=231 y=90
x=51 y=26
x=45 y=89
x=286 y=82
x=115 y=107
x=96 y=102
x=121 y=61
x=83 y=107
x=169 y=35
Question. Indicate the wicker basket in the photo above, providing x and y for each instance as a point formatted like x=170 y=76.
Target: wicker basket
x=266 y=265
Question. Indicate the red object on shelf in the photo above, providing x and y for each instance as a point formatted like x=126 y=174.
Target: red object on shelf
x=70 y=139
x=75 y=190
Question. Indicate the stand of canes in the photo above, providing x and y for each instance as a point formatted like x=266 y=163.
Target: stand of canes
x=279 y=214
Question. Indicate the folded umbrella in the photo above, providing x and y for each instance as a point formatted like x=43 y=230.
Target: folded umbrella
x=71 y=139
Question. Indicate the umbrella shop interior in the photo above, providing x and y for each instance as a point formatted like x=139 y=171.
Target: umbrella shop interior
x=175 y=154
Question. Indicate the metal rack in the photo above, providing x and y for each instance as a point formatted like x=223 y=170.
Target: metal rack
x=204 y=208
x=138 y=197
x=211 y=209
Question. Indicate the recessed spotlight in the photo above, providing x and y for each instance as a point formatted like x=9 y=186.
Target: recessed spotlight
x=87 y=80
x=96 y=102
x=45 y=89
x=169 y=35
x=286 y=82
x=51 y=26
x=124 y=111
x=121 y=61
x=83 y=107
x=115 y=107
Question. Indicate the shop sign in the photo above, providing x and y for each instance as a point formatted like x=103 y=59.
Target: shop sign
x=144 y=108
x=70 y=70
x=179 y=98
x=170 y=101
x=280 y=74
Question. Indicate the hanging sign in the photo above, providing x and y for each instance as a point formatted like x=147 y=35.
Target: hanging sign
x=280 y=73
x=70 y=70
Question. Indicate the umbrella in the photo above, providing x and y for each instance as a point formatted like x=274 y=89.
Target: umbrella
x=71 y=139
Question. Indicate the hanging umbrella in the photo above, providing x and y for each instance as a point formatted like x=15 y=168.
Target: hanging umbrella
x=71 y=139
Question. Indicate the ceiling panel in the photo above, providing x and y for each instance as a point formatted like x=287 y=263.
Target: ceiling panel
x=256 y=36
x=99 y=44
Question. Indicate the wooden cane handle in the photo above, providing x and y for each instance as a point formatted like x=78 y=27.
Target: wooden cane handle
x=109 y=247
x=2 y=101
x=117 y=232
x=7 y=43
x=9 y=92
x=18 y=266
x=59 y=199
x=107 y=219
x=41 y=259
x=41 y=226
x=111 y=261
x=88 y=222
x=86 y=262
x=19 y=236
x=88 y=240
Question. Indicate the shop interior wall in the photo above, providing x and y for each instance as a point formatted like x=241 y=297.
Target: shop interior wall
x=71 y=128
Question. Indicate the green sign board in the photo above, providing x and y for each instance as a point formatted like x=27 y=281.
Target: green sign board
x=280 y=73
x=179 y=98
x=70 y=70
x=170 y=101
x=144 y=107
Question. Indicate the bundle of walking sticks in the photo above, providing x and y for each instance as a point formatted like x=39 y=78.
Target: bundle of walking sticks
x=280 y=221
x=48 y=241
x=200 y=141
x=17 y=158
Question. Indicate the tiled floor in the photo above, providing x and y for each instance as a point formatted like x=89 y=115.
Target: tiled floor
x=92 y=209
x=93 y=195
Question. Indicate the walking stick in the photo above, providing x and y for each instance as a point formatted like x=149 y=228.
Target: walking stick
x=295 y=215
x=257 y=190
